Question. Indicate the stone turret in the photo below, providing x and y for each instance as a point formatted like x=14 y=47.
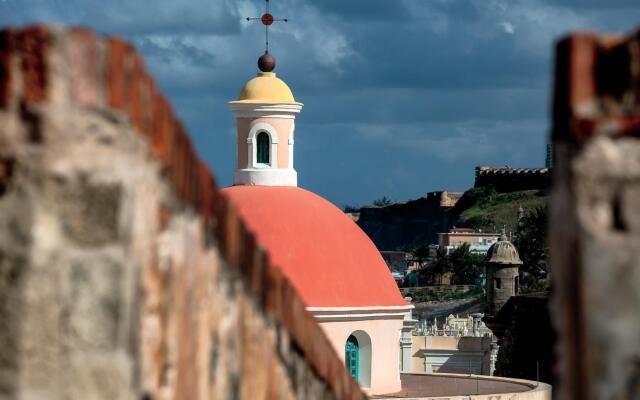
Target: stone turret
x=503 y=263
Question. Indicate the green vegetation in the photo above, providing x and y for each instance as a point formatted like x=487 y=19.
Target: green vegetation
x=466 y=268
x=531 y=242
x=424 y=294
x=382 y=202
x=420 y=252
x=484 y=208
x=348 y=208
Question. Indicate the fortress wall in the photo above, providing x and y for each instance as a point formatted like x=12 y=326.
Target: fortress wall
x=124 y=272
x=512 y=179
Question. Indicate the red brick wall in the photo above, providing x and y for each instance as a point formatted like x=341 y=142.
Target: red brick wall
x=76 y=108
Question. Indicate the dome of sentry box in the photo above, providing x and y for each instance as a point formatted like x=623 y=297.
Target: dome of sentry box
x=503 y=252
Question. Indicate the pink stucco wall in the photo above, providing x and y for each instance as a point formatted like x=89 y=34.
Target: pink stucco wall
x=385 y=349
x=282 y=127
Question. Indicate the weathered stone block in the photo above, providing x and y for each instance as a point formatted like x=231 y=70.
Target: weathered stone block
x=124 y=273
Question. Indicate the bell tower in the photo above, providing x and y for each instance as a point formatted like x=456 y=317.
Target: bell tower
x=265 y=122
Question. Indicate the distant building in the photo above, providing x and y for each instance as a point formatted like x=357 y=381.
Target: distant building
x=398 y=277
x=449 y=199
x=328 y=259
x=399 y=261
x=459 y=345
x=354 y=215
x=479 y=242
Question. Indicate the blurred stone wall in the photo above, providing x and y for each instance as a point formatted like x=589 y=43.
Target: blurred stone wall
x=595 y=216
x=124 y=273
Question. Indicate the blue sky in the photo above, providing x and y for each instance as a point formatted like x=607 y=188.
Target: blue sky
x=402 y=97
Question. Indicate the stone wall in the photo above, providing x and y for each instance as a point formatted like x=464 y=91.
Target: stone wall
x=595 y=216
x=506 y=179
x=401 y=226
x=124 y=273
x=525 y=337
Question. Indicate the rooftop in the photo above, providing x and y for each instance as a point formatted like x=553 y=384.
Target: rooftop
x=425 y=386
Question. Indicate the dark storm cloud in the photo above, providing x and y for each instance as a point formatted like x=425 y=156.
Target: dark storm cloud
x=189 y=53
x=365 y=10
x=403 y=96
x=601 y=4
x=126 y=17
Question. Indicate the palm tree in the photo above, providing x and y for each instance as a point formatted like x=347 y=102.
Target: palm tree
x=531 y=242
x=467 y=266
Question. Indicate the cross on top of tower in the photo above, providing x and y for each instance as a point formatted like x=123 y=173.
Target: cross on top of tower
x=266 y=63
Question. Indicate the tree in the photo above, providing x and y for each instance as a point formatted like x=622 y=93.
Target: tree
x=420 y=252
x=467 y=266
x=440 y=265
x=350 y=208
x=532 y=245
x=382 y=201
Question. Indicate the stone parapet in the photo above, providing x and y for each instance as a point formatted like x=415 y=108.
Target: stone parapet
x=506 y=179
x=446 y=386
x=595 y=219
x=124 y=272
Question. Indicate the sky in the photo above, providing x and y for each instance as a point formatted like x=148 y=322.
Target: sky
x=402 y=97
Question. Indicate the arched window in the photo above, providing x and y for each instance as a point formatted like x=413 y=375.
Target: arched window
x=357 y=357
x=352 y=356
x=263 y=148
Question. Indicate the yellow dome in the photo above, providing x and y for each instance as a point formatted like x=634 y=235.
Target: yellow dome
x=266 y=88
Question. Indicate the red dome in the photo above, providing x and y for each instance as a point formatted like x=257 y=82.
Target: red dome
x=327 y=257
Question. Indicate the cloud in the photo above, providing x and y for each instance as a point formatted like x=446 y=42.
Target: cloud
x=403 y=96
x=366 y=11
x=128 y=17
x=471 y=140
x=508 y=27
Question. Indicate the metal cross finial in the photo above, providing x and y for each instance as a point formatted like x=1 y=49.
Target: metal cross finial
x=266 y=19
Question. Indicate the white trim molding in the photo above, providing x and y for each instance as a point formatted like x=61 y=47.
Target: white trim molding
x=266 y=177
x=293 y=127
x=252 y=148
x=359 y=313
x=265 y=110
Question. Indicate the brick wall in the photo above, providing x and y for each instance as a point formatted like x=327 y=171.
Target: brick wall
x=124 y=273
x=595 y=216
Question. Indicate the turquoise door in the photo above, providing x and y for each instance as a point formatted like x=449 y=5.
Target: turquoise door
x=352 y=356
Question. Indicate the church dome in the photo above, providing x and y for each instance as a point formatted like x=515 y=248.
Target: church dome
x=266 y=88
x=503 y=252
x=327 y=257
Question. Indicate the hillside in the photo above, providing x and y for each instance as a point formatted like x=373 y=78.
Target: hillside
x=402 y=226
x=486 y=209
